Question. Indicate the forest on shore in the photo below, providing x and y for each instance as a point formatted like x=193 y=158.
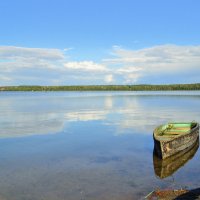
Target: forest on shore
x=142 y=87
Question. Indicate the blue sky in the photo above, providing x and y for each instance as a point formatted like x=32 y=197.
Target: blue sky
x=72 y=42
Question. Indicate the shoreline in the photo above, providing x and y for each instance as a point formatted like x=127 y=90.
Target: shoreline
x=143 y=87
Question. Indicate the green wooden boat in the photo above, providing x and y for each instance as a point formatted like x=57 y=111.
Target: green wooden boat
x=171 y=138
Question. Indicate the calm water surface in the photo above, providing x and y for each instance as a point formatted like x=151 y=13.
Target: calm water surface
x=88 y=145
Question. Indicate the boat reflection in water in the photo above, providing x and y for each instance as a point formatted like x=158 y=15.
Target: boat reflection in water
x=166 y=167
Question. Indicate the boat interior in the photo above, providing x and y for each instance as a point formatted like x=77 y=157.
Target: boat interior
x=175 y=129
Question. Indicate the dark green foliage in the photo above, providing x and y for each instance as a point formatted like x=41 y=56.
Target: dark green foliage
x=170 y=87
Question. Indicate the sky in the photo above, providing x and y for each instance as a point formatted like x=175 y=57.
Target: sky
x=87 y=42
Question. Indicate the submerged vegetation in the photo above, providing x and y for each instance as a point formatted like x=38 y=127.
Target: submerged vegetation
x=143 y=87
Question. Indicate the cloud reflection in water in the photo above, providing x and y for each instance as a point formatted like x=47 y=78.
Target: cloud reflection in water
x=34 y=114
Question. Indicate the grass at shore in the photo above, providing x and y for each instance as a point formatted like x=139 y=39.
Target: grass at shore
x=144 y=87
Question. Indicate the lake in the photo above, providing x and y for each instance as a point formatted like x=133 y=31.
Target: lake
x=89 y=145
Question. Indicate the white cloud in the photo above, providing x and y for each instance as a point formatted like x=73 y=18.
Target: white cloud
x=160 y=60
x=22 y=65
x=85 y=66
x=131 y=78
x=129 y=69
x=109 y=78
x=44 y=66
x=164 y=54
x=14 y=59
x=12 y=52
x=5 y=78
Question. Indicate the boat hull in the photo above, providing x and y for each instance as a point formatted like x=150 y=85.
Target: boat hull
x=168 y=166
x=165 y=149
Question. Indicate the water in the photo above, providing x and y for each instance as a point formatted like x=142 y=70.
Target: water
x=88 y=145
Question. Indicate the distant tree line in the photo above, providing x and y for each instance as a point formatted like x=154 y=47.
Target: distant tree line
x=144 y=87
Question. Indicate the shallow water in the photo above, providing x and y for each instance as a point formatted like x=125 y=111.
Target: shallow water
x=88 y=145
